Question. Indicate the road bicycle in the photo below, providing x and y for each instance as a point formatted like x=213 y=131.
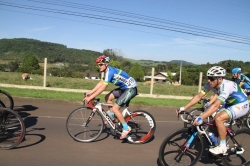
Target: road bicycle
x=186 y=145
x=85 y=124
x=12 y=128
x=241 y=122
x=6 y=100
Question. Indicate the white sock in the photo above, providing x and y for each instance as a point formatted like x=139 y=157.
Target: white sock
x=223 y=144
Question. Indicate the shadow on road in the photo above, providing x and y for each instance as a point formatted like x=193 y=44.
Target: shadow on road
x=25 y=108
x=29 y=121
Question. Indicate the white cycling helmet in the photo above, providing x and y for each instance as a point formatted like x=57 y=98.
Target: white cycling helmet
x=216 y=71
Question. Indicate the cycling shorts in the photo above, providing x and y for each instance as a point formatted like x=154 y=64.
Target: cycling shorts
x=236 y=111
x=124 y=96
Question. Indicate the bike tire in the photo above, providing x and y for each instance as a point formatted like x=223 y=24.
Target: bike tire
x=76 y=122
x=142 y=125
x=6 y=100
x=170 y=152
x=242 y=136
x=195 y=111
x=12 y=129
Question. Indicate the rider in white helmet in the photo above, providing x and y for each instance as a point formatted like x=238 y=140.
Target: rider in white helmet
x=230 y=94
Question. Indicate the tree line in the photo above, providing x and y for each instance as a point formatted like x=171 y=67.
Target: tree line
x=24 y=55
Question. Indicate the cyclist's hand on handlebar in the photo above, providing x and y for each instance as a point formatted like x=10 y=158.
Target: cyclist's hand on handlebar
x=207 y=105
x=87 y=99
x=86 y=96
x=179 y=110
x=198 y=121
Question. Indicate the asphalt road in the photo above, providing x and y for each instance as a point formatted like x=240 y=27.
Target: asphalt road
x=47 y=142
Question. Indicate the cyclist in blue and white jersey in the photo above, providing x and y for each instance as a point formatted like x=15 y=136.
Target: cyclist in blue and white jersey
x=242 y=80
x=230 y=94
x=126 y=91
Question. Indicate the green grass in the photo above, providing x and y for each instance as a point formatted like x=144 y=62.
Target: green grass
x=74 y=96
x=80 y=83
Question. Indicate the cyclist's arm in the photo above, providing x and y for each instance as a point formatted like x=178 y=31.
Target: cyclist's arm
x=241 y=84
x=242 y=80
x=101 y=86
x=194 y=100
x=98 y=85
x=213 y=98
x=214 y=107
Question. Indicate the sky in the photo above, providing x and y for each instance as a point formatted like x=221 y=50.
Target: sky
x=197 y=31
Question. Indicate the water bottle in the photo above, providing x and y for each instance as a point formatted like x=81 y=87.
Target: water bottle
x=213 y=138
x=111 y=114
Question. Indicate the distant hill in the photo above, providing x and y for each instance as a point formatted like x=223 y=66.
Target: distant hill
x=17 y=48
x=155 y=63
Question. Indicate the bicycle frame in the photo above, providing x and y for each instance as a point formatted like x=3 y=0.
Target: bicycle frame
x=98 y=107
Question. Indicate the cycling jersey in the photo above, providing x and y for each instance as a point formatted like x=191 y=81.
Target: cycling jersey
x=119 y=78
x=244 y=79
x=229 y=93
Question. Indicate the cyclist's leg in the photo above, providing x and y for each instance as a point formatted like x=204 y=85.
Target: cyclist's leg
x=228 y=114
x=115 y=94
x=125 y=96
x=220 y=119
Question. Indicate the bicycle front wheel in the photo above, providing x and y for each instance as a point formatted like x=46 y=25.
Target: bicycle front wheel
x=237 y=157
x=12 y=129
x=143 y=127
x=173 y=150
x=6 y=100
x=84 y=127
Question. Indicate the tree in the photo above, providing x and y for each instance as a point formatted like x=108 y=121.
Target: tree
x=136 y=72
x=169 y=77
x=30 y=64
x=115 y=64
x=13 y=65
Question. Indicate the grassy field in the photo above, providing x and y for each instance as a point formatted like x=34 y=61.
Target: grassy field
x=81 y=83
x=77 y=83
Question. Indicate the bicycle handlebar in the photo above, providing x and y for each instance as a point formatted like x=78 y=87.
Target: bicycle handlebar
x=193 y=117
x=183 y=113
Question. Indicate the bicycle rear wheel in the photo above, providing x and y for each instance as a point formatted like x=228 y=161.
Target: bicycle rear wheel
x=12 y=129
x=242 y=136
x=143 y=127
x=6 y=100
x=173 y=149
x=83 y=128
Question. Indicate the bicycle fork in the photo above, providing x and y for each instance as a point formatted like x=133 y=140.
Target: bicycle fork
x=185 y=146
x=92 y=114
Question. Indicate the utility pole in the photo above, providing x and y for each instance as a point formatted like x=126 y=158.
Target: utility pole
x=180 y=73
x=45 y=72
x=152 y=80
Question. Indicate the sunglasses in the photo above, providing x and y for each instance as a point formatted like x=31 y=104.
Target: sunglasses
x=211 y=78
x=100 y=64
